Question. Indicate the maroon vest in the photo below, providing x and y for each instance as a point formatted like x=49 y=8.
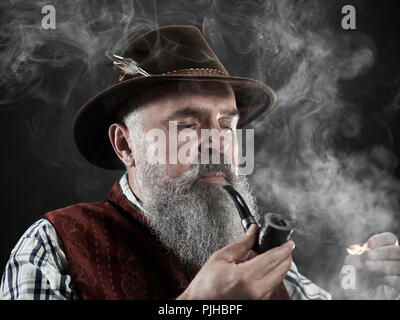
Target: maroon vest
x=112 y=254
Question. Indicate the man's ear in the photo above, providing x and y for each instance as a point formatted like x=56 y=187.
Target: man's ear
x=118 y=134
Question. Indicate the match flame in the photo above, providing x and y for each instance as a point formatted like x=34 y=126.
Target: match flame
x=358 y=249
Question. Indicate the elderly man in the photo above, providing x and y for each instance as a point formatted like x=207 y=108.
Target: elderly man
x=168 y=230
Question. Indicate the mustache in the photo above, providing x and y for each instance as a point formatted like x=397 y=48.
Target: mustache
x=222 y=164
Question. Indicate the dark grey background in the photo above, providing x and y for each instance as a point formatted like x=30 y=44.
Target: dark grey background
x=46 y=76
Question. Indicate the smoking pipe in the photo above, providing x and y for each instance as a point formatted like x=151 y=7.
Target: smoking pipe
x=274 y=230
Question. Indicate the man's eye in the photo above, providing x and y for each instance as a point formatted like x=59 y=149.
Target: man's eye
x=225 y=128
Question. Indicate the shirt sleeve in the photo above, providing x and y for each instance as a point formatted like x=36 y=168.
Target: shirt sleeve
x=38 y=267
x=301 y=288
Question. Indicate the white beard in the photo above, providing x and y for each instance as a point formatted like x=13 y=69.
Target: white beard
x=190 y=218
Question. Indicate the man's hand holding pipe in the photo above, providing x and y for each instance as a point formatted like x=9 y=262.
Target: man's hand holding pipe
x=225 y=277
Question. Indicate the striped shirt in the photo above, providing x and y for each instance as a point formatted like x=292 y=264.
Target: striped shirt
x=38 y=267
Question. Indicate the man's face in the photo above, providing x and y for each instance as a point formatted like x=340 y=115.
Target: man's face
x=195 y=108
x=184 y=203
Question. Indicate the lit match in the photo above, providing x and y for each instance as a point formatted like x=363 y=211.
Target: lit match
x=358 y=249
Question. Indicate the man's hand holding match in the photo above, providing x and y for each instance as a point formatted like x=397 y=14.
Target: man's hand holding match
x=377 y=269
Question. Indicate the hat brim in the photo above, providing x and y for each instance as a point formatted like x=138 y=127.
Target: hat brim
x=90 y=128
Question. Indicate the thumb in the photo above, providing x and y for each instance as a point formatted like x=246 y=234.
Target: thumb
x=236 y=250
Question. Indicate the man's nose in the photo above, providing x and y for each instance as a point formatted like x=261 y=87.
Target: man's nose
x=213 y=138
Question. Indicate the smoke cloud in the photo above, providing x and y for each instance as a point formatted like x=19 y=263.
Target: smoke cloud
x=306 y=167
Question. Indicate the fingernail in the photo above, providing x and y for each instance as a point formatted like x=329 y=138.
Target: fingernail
x=251 y=229
x=371 y=244
x=293 y=244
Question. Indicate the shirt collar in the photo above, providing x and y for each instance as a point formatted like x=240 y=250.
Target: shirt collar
x=127 y=191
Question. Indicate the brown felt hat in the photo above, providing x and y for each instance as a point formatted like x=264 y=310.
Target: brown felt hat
x=166 y=54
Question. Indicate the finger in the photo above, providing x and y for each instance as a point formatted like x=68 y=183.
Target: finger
x=383 y=267
x=267 y=261
x=236 y=250
x=392 y=281
x=382 y=239
x=272 y=279
x=383 y=253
